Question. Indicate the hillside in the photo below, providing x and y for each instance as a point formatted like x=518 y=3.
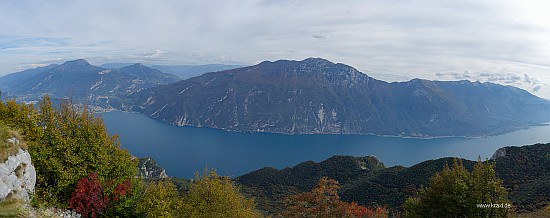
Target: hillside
x=317 y=96
x=524 y=170
x=189 y=71
x=86 y=83
x=9 y=79
x=182 y=71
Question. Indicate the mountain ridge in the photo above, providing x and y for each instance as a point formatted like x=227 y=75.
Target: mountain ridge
x=378 y=185
x=316 y=96
x=83 y=82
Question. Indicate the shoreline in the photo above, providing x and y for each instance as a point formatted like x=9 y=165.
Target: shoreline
x=329 y=133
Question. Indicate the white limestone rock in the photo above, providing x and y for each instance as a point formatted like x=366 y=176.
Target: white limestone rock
x=17 y=177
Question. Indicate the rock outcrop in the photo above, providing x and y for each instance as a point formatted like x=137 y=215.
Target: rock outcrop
x=501 y=152
x=17 y=176
x=148 y=168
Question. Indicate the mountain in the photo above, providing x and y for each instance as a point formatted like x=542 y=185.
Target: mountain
x=188 y=71
x=83 y=82
x=182 y=71
x=525 y=172
x=317 y=96
x=11 y=78
x=115 y=65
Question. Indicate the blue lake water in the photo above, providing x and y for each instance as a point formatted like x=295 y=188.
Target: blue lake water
x=184 y=150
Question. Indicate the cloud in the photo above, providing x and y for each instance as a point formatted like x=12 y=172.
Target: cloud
x=317 y=36
x=410 y=38
x=508 y=78
x=156 y=54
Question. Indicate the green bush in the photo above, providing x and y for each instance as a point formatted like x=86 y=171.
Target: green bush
x=126 y=205
x=457 y=193
x=211 y=195
x=161 y=200
x=66 y=144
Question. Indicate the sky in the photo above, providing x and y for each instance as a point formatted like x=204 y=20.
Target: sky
x=502 y=41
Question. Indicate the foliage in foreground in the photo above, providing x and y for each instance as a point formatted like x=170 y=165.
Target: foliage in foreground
x=456 y=192
x=161 y=200
x=66 y=144
x=91 y=199
x=209 y=195
x=323 y=201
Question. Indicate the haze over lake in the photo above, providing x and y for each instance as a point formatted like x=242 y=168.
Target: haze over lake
x=184 y=150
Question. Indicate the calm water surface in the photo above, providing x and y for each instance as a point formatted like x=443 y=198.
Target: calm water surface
x=184 y=150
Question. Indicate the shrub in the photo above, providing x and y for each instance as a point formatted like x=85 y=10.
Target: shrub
x=91 y=198
x=457 y=193
x=211 y=195
x=123 y=198
x=161 y=200
x=65 y=145
x=88 y=198
x=323 y=201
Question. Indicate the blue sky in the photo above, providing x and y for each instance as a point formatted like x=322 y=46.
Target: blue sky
x=499 y=40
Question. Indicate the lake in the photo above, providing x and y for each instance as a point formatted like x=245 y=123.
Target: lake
x=184 y=150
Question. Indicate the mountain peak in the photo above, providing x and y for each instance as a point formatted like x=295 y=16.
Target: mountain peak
x=133 y=66
x=310 y=60
x=77 y=62
x=317 y=60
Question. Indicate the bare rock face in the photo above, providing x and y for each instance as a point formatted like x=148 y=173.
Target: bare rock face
x=501 y=152
x=17 y=177
x=148 y=168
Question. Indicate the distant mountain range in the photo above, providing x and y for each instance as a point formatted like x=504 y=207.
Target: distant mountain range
x=9 y=79
x=83 y=82
x=182 y=71
x=317 y=96
x=525 y=172
x=313 y=96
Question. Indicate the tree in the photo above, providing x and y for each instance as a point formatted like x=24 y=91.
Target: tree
x=211 y=195
x=88 y=198
x=66 y=144
x=161 y=200
x=323 y=201
x=455 y=192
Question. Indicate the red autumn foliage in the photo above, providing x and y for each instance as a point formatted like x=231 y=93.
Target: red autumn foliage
x=90 y=198
x=323 y=201
x=121 y=190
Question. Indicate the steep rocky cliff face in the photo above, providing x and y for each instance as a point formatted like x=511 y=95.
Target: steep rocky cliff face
x=17 y=176
x=148 y=168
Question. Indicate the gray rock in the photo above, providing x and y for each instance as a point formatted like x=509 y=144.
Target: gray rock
x=13 y=141
x=501 y=152
x=148 y=168
x=17 y=177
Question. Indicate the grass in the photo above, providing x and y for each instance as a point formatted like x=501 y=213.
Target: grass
x=16 y=208
x=543 y=213
x=12 y=208
x=7 y=149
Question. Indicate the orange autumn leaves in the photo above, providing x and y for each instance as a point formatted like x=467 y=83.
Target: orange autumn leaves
x=323 y=201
